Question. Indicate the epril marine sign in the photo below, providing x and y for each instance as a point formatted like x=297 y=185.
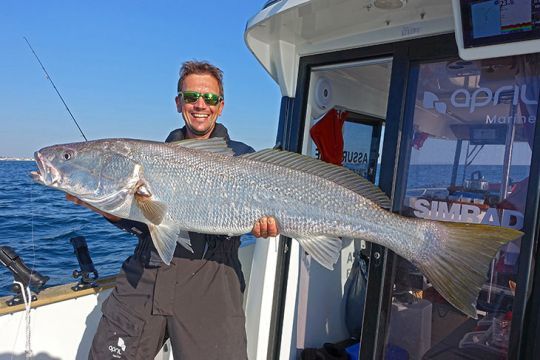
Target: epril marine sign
x=482 y=97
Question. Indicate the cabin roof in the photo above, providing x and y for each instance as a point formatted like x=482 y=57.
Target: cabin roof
x=283 y=31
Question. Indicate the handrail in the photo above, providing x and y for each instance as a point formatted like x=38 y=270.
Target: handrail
x=58 y=293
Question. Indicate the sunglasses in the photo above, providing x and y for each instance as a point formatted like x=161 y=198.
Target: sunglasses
x=192 y=96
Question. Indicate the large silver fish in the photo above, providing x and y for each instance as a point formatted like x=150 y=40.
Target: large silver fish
x=197 y=185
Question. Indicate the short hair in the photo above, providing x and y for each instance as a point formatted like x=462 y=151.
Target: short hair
x=200 y=68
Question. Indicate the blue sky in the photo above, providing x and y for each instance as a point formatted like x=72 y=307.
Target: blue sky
x=116 y=64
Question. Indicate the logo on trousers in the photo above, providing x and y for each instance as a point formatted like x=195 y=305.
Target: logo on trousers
x=117 y=350
x=121 y=344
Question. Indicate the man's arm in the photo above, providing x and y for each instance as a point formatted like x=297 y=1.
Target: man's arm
x=78 y=201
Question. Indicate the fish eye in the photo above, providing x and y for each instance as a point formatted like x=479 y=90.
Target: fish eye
x=68 y=155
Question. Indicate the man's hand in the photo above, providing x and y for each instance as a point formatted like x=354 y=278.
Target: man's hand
x=265 y=227
x=78 y=201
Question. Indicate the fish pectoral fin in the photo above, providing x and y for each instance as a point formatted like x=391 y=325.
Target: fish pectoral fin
x=325 y=250
x=142 y=190
x=153 y=210
x=165 y=237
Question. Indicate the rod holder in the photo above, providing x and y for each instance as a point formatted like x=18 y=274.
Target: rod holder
x=87 y=272
x=22 y=275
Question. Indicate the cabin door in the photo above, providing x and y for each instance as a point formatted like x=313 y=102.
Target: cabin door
x=345 y=113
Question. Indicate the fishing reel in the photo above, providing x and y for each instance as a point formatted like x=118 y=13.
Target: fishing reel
x=23 y=277
x=88 y=272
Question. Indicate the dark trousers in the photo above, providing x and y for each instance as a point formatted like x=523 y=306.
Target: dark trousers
x=195 y=303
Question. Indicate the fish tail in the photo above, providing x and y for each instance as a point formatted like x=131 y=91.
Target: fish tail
x=459 y=258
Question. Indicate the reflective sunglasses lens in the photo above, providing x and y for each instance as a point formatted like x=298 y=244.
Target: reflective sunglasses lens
x=190 y=96
x=211 y=99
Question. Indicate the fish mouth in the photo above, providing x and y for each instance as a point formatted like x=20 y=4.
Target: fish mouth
x=46 y=174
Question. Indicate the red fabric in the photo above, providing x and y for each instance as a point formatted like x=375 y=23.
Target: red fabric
x=418 y=139
x=327 y=134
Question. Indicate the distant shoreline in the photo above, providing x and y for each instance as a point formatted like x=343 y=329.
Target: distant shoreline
x=15 y=159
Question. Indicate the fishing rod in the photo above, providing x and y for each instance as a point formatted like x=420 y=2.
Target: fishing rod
x=54 y=86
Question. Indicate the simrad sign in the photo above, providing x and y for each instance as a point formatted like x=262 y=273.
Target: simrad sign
x=456 y=212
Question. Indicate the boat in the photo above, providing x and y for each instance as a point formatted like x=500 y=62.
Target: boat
x=435 y=102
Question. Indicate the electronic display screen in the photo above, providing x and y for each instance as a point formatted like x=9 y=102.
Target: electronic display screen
x=487 y=135
x=492 y=22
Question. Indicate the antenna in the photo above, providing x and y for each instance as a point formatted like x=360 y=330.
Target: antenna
x=54 y=86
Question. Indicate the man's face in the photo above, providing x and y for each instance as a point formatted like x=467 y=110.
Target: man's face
x=200 y=117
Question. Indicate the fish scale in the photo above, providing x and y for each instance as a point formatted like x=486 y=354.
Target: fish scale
x=196 y=185
x=330 y=211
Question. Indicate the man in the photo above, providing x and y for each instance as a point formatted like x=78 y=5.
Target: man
x=196 y=301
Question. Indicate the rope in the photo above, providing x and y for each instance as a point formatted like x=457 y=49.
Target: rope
x=27 y=298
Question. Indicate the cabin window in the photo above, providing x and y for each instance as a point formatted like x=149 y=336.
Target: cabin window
x=468 y=159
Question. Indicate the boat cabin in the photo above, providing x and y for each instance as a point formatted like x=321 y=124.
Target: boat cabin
x=436 y=103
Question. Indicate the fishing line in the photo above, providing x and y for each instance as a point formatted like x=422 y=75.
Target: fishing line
x=28 y=300
x=54 y=86
x=32 y=226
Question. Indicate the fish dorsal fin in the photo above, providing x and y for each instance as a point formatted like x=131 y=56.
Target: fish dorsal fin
x=216 y=145
x=337 y=174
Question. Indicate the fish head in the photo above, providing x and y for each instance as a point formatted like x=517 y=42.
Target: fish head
x=98 y=172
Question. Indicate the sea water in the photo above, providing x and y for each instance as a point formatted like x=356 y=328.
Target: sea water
x=38 y=223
